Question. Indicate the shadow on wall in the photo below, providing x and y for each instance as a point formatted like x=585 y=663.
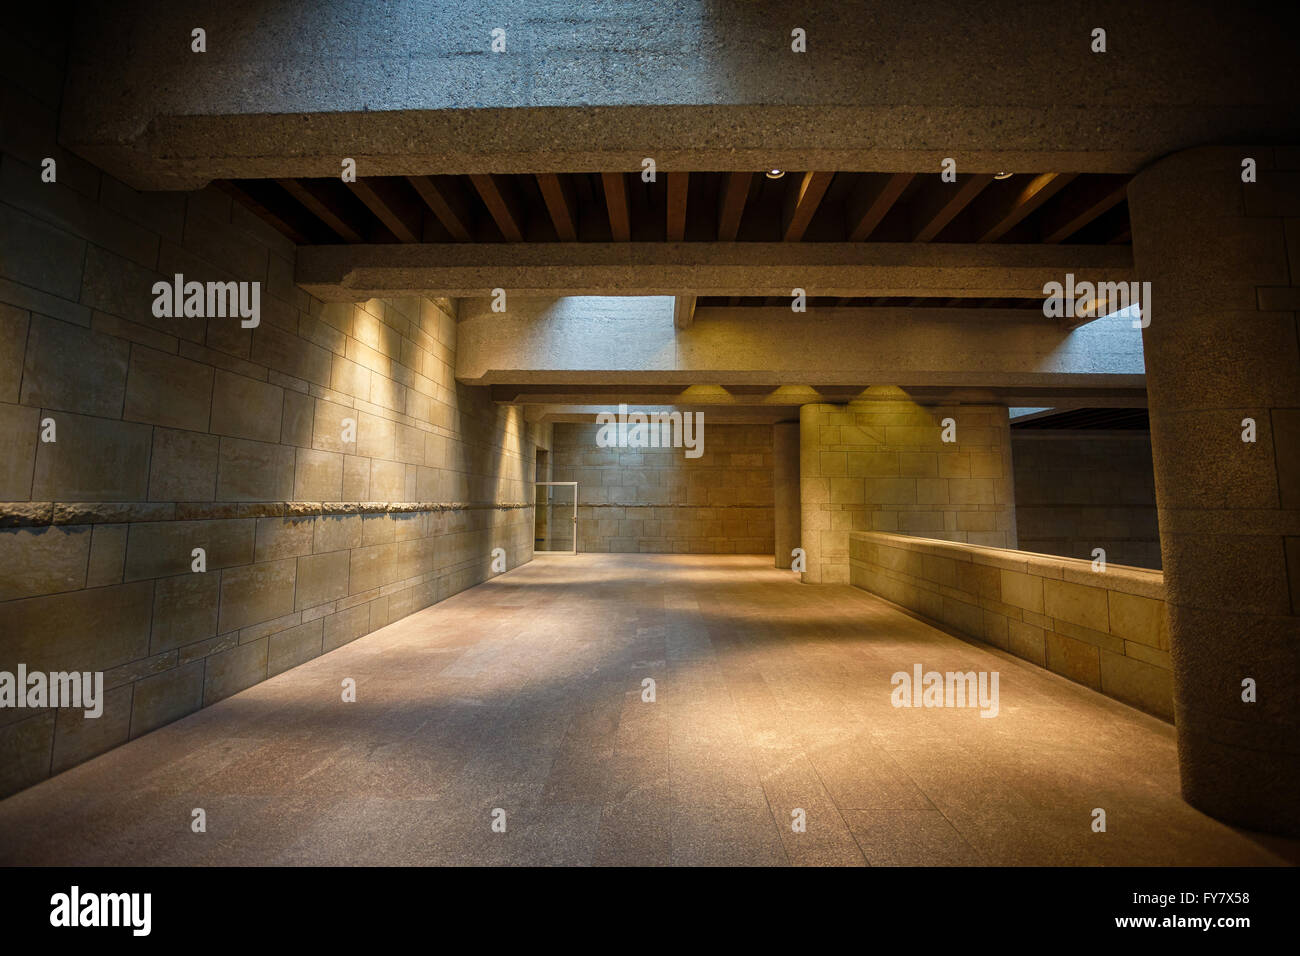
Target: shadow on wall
x=1077 y=491
x=203 y=519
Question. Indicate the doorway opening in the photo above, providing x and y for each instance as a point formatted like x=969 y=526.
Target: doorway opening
x=556 y=517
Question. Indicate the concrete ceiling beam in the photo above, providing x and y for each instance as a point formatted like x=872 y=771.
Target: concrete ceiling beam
x=575 y=405
x=887 y=269
x=735 y=355
x=416 y=89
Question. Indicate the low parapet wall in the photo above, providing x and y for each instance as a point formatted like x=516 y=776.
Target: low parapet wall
x=1105 y=629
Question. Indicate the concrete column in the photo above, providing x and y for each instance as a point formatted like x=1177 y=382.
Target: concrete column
x=1223 y=260
x=785 y=490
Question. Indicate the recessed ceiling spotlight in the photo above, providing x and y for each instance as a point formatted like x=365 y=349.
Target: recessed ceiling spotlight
x=775 y=173
x=1002 y=175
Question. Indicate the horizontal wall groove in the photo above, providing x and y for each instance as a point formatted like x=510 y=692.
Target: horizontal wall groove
x=36 y=514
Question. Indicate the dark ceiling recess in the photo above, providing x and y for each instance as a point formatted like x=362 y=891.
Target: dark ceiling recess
x=1096 y=419
x=1086 y=208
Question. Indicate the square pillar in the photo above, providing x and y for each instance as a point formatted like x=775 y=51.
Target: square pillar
x=885 y=463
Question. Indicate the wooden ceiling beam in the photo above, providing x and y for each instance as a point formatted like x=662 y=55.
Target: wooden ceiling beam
x=941 y=206
x=561 y=203
x=871 y=201
x=801 y=204
x=684 y=311
x=996 y=214
x=382 y=198
x=731 y=204
x=620 y=222
x=254 y=197
x=678 y=187
x=502 y=204
x=316 y=199
x=447 y=204
x=1075 y=208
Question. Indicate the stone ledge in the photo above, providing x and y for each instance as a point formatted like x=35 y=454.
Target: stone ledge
x=28 y=514
x=1107 y=631
x=1117 y=577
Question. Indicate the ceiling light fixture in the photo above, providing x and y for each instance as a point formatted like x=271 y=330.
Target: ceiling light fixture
x=775 y=173
x=1002 y=175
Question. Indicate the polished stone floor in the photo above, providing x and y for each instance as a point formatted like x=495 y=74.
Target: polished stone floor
x=525 y=695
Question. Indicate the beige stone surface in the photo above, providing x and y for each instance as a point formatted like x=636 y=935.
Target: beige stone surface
x=162 y=698
x=246 y=408
x=42 y=560
x=171 y=610
x=159 y=549
x=25 y=747
x=94 y=629
x=94 y=459
x=183 y=466
x=78 y=737
x=1077 y=604
x=107 y=555
x=321 y=578
x=167 y=390
x=191 y=432
x=255 y=471
x=319 y=476
x=1138 y=619
x=1110 y=634
x=294 y=646
x=337 y=532
x=296 y=419
x=880 y=463
x=1077 y=660
x=387 y=479
x=656 y=500
x=283 y=538
x=13 y=336
x=525 y=693
x=228 y=672
x=256 y=592
x=73 y=369
x=185 y=609
x=19 y=433
x=1126 y=677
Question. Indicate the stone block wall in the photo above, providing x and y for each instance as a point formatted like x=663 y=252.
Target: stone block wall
x=659 y=501
x=1107 y=630
x=1078 y=490
x=883 y=465
x=179 y=433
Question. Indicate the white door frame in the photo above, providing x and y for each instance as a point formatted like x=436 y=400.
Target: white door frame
x=575 y=513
